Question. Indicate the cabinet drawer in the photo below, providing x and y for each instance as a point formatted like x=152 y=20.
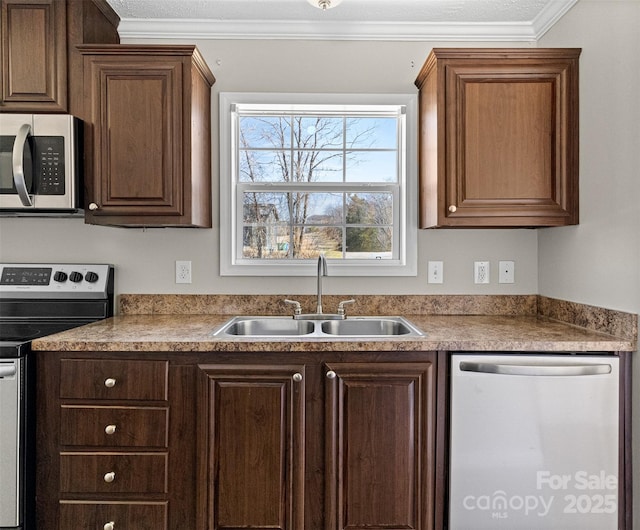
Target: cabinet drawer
x=112 y=379
x=113 y=426
x=113 y=473
x=90 y=516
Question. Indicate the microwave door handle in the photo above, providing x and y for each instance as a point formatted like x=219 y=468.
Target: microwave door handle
x=536 y=370
x=18 y=165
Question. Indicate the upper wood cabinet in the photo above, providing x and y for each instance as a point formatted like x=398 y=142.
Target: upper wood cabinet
x=499 y=138
x=149 y=155
x=41 y=67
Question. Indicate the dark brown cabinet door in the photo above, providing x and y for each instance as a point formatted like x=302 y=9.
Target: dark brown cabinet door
x=251 y=447
x=34 y=56
x=499 y=137
x=150 y=109
x=42 y=70
x=380 y=445
x=138 y=115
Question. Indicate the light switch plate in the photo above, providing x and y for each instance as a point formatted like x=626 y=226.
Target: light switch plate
x=435 y=272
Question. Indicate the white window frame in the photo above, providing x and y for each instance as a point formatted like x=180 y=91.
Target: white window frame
x=231 y=227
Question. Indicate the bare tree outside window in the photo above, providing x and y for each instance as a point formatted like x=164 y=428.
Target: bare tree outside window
x=300 y=177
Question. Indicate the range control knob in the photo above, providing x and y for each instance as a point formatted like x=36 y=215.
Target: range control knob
x=91 y=277
x=75 y=277
x=60 y=276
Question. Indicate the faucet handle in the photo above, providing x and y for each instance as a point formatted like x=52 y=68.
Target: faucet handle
x=297 y=309
x=342 y=304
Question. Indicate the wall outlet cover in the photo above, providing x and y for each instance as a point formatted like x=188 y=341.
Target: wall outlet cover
x=481 y=272
x=183 y=272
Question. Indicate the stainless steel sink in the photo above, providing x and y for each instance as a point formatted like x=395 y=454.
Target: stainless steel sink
x=259 y=326
x=267 y=327
x=370 y=326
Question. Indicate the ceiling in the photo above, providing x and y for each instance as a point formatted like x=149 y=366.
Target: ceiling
x=442 y=20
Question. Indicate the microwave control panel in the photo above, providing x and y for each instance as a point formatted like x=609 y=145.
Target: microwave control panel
x=49 y=165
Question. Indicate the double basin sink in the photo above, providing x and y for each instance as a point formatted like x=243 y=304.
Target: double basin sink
x=383 y=326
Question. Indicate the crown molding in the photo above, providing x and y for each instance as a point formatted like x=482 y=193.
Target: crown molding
x=347 y=30
x=549 y=15
x=303 y=30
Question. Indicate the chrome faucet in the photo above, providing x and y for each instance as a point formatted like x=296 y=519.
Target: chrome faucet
x=319 y=315
x=322 y=271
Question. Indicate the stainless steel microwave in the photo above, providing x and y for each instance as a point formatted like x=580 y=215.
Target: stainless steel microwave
x=40 y=163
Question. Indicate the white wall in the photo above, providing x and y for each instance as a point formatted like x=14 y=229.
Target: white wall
x=145 y=259
x=598 y=261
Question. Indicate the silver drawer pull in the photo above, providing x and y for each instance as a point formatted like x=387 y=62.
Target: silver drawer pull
x=109 y=477
x=297 y=377
x=110 y=429
x=109 y=526
x=110 y=382
x=331 y=374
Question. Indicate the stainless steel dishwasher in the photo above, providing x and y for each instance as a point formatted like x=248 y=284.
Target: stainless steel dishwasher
x=534 y=442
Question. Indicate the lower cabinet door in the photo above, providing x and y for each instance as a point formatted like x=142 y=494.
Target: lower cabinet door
x=251 y=469
x=380 y=445
x=113 y=516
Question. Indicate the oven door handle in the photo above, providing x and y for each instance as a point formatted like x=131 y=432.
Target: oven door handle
x=7 y=370
x=18 y=165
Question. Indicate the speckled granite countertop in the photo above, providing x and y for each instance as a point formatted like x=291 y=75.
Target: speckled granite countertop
x=514 y=324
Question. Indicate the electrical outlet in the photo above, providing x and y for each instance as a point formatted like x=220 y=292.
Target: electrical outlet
x=183 y=272
x=481 y=272
x=435 y=272
x=507 y=272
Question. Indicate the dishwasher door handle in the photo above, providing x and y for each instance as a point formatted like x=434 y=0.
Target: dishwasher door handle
x=535 y=369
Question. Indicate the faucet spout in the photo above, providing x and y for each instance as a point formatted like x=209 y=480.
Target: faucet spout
x=322 y=271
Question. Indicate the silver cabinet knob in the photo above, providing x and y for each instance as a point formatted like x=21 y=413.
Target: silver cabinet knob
x=110 y=382
x=452 y=208
x=110 y=429
x=93 y=206
x=109 y=526
x=109 y=477
x=297 y=377
x=331 y=374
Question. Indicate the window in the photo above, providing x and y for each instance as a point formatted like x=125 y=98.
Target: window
x=306 y=174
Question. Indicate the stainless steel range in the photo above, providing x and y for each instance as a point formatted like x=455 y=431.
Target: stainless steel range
x=36 y=300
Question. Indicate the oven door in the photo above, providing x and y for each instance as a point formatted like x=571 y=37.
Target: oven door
x=39 y=163
x=11 y=459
